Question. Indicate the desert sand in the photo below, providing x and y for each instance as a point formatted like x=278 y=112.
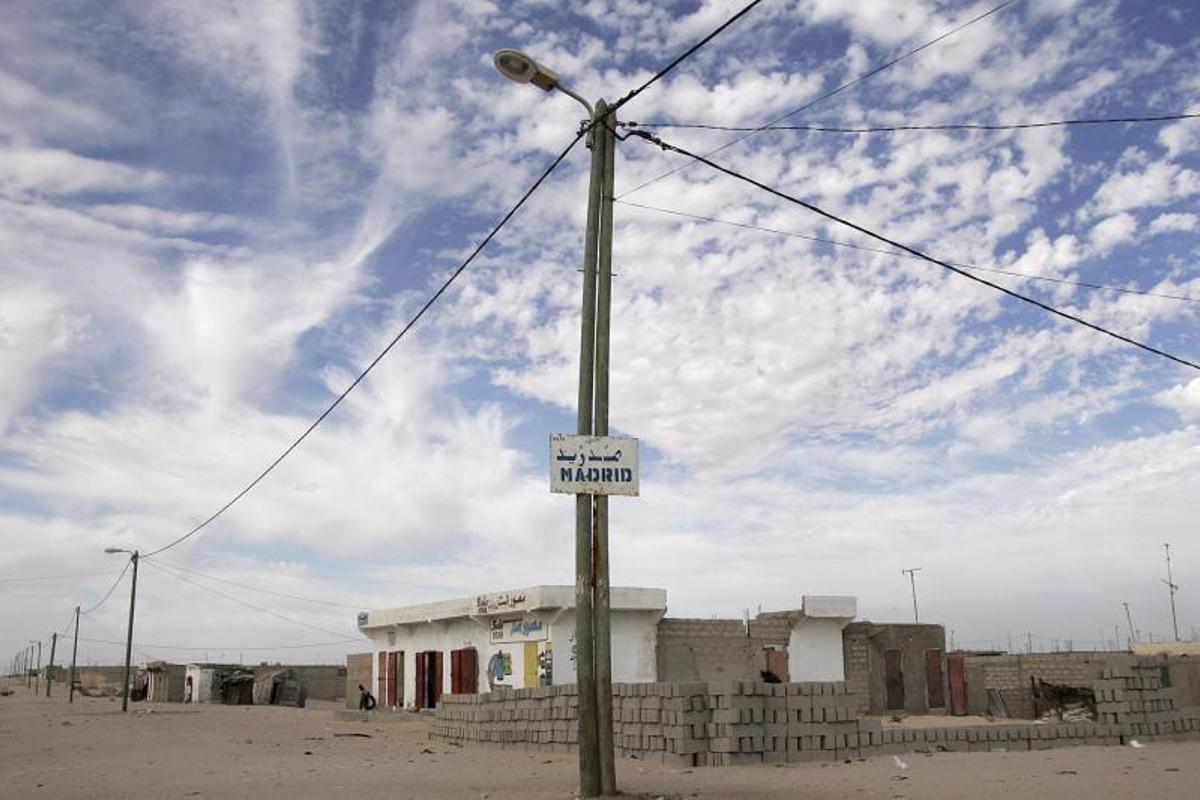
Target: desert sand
x=49 y=749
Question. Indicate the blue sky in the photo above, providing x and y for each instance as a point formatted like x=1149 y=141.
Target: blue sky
x=211 y=215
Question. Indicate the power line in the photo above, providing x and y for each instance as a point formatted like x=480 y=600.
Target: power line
x=833 y=92
x=112 y=588
x=453 y=276
x=218 y=648
x=54 y=577
x=264 y=591
x=952 y=126
x=363 y=374
x=946 y=265
x=160 y=566
x=880 y=250
x=685 y=55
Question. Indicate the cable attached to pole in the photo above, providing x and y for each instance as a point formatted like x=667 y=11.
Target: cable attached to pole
x=649 y=137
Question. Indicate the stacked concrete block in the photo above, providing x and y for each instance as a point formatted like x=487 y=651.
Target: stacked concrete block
x=664 y=722
x=823 y=723
x=1132 y=696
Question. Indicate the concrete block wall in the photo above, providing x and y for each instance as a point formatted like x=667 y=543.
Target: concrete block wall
x=686 y=723
x=1010 y=675
x=716 y=649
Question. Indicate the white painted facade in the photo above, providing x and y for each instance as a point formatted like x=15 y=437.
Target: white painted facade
x=526 y=630
x=815 y=642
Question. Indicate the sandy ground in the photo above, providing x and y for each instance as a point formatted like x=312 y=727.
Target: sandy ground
x=49 y=749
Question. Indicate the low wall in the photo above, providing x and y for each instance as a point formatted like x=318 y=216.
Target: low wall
x=749 y=722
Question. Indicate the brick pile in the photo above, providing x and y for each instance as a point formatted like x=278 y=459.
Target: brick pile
x=1133 y=696
x=733 y=723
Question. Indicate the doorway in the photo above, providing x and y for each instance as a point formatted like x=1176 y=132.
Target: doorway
x=893 y=679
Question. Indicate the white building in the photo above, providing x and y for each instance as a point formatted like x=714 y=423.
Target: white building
x=815 y=645
x=520 y=638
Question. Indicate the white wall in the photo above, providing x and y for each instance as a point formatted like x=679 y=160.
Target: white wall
x=635 y=640
x=815 y=650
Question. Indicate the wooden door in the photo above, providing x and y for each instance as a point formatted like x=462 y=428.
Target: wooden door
x=933 y=678
x=893 y=679
x=777 y=663
x=381 y=679
x=956 y=666
x=464 y=671
x=436 y=693
x=420 y=694
x=470 y=671
x=398 y=678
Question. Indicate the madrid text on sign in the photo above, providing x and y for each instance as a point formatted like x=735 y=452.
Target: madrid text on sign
x=593 y=464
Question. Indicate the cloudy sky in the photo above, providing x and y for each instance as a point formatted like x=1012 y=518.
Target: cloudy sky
x=212 y=215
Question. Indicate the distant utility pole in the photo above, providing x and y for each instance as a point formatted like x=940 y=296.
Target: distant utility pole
x=912 y=578
x=133 y=556
x=1171 y=587
x=50 y=668
x=1029 y=641
x=74 y=653
x=1129 y=621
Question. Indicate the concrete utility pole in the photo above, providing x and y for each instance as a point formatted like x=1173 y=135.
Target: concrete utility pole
x=1171 y=587
x=1129 y=620
x=50 y=668
x=593 y=650
x=912 y=577
x=74 y=653
x=133 y=556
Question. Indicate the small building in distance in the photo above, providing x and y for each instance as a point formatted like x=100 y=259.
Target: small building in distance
x=520 y=638
x=165 y=682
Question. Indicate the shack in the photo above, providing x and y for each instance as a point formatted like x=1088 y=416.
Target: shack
x=165 y=682
x=281 y=686
x=205 y=683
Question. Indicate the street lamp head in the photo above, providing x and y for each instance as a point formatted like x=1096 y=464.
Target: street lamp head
x=115 y=550
x=523 y=68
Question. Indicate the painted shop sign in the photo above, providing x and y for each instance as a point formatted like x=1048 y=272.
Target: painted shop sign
x=500 y=601
x=519 y=630
x=593 y=464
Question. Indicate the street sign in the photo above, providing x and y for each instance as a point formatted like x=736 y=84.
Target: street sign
x=593 y=464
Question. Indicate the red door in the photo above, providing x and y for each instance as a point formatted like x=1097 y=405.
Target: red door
x=464 y=671
x=381 y=680
x=392 y=683
x=419 y=694
x=470 y=671
x=956 y=666
x=437 y=678
x=933 y=678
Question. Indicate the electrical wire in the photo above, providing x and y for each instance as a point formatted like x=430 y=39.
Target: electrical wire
x=54 y=577
x=833 y=92
x=453 y=276
x=214 y=648
x=944 y=264
x=112 y=588
x=881 y=251
x=265 y=591
x=239 y=601
x=685 y=55
x=367 y=370
x=952 y=126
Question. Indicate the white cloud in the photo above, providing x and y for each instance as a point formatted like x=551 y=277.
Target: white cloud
x=46 y=171
x=1183 y=398
x=1167 y=223
x=1112 y=231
